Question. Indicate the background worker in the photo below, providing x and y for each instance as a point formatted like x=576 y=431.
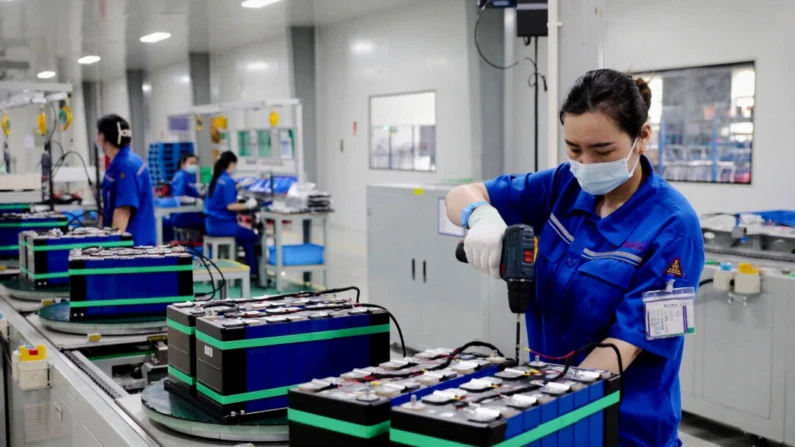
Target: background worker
x=610 y=229
x=183 y=188
x=221 y=208
x=127 y=187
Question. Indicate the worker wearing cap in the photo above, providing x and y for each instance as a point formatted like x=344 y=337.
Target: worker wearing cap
x=126 y=188
x=610 y=229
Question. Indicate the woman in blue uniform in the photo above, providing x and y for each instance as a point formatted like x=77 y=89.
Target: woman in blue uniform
x=183 y=188
x=221 y=207
x=609 y=230
x=126 y=188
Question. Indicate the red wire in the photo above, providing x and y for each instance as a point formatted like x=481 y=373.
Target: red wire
x=549 y=357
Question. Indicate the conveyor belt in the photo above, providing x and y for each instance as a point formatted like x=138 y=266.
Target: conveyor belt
x=95 y=376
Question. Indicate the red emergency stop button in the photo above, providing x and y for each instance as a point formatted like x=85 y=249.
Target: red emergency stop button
x=528 y=256
x=33 y=351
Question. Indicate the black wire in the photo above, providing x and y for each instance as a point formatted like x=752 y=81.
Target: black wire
x=477 y=44
x=205 y=259
x=400 y=332
x=532 y=81
x=220 y=304
x=706 y=281
x=62 y=159
x=588 y=347
x=54 y=123
x=306 y=294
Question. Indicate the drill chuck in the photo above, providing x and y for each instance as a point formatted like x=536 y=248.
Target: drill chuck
x=520 y=293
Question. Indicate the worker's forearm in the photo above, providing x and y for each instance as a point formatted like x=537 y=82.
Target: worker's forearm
x=237 y=207
x=605 y=358
x=121 y=218
x=461 y=196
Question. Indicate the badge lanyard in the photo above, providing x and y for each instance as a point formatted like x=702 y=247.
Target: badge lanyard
x=669 y=312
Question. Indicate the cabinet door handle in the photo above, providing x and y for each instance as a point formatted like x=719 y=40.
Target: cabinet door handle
x=413 y=270
x=424 y=272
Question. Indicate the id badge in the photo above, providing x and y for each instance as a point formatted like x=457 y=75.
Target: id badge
x=669 y=313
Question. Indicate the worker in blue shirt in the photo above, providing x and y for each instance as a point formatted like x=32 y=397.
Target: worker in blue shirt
x=221 y=208
x=609 y=229
x=126 y=188
x=183 y=188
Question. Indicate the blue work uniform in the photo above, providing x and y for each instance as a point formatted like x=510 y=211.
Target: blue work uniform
x=591 y=273
x=184 y=185
x=127 y=183
x=219 y=221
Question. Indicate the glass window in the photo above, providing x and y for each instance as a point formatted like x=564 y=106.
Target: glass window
x=403 y=132
x=702 y=122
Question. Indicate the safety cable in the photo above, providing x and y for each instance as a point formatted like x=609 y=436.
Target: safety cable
x=394 y=320
x=568 y=357
x=205 y=260
x=532 y=81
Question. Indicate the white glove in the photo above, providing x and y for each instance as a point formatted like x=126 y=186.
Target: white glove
x=483 y=244
x=252 y=203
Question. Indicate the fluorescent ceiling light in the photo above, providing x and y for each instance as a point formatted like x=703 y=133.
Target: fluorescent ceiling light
x=257 y=3
x=146 y=87
x=46 y=74
x=258 y=66
x=85 y=60
x=155 y=37
x=362 y=47
x=185 y=79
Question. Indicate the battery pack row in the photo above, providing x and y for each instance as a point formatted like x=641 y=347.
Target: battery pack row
x=522 y=406
x=15 y=208
x=11 y=224
x=354 y=409
x=44 y=254
x=128 y=282
x=243 y=356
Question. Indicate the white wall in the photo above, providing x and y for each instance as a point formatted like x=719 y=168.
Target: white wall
x=519 y=103
x=170 y=94
x=254 y=72
x=417 y=48
x=114 y=98
x=669 y=34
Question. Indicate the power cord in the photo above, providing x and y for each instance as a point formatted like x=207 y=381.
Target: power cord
x=532 y=81
x=205 y=260
x=62 y=159
x=568 y=358
x=394 y=320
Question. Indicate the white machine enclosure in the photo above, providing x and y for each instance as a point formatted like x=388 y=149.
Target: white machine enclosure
x=412 y=270
x=739 y=367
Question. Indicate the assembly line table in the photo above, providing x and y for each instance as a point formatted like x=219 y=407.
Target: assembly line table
x=277 y=269
x=161 y=212
x=232 y=271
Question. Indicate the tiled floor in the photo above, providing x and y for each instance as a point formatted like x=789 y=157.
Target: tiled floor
x=346 y=255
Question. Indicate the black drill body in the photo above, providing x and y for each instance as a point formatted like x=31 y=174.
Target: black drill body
x=517 y=268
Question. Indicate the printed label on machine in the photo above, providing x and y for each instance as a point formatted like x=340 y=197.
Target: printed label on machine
x=669 y=313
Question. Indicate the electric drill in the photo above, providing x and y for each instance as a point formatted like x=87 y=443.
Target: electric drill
x=517 y=268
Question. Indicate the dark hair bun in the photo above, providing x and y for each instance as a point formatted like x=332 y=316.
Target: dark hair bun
x=115 y=129
x=626 y=101
x=645 y=91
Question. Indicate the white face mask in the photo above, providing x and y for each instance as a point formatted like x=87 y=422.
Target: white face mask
x=600 y=178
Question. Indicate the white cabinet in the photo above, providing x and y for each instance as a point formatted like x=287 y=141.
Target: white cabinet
x=412 y=271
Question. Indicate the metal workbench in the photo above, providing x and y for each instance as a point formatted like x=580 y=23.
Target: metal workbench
x=278 y=268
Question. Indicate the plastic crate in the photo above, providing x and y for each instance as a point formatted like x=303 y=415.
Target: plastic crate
x=778 y=217
x=303 y=254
